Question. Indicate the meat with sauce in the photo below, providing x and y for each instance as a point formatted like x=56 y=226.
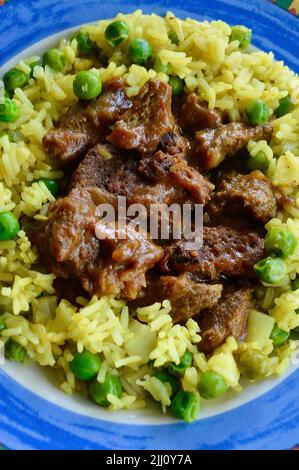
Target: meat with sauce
x=195 y=114
x=173 y=143
x=227 y=318
x=144 y=124
x=163 y=167
x=187 y=295
x=74 y=243
x=226 y=251
x=144 y=148
x=213 y=146
x=121 y=272
x=245 y=194
x=103 y=175
x=66 y=241
x=86 y=124
x=118 y=176
x=155 y=183
x=156 y=180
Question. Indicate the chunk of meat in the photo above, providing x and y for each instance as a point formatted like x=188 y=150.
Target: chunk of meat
x=156 y=167
x=66 y=241
x=145 y=123
x=86 y=124
x=173 y=143
x=163 y=167
x=226 y=251
x=119 y=176
x=132 y=255
x=196 y=115
x=188 y=297
x=252 y=192
x=72 y=221
x=155 y=180
x=227 y=318
x=65 y=145
x=192 y=181
x=97 y=168
x=70 y=245
x=213 y=146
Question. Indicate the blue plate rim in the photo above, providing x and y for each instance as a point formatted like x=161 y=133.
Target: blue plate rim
x=27 y=421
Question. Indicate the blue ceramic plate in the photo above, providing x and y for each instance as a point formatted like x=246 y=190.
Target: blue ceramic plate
x=33 y=413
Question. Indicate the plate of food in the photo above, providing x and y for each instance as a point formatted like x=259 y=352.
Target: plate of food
x=149 y=225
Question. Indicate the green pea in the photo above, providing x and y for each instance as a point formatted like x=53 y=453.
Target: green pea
x=86 y=47
x=2 y=325
x=173 y=37
x=99 y=391
x=15 y=78
x=15 y=351
x=254 y=364
x=87 y=85
x=257 y=112
x=278 y=336
x=212 y=385
x=52 y=185
x=9 y=111
x=55 y=59
x=285 y=106
x=159 y=67
x=242 y=34
x=116 y=33
x=258 y=162
x=85 y=365
x=165 y=377
x=140 y=51
x=179 y=369
x=280 y=242
x=271 y=270
x=295 y=284
x=9 y=226
x=177 y=85
x=185 y=406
